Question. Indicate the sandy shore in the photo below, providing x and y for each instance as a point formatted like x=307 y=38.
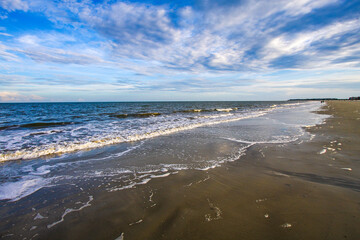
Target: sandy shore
x=308 y=190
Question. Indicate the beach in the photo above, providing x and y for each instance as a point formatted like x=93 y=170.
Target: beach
x=179 y=120
x=303 y=189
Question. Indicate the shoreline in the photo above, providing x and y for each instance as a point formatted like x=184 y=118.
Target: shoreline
x=274 y=191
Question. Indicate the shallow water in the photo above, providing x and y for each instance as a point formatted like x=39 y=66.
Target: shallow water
x=159 y=146
x=29 y=131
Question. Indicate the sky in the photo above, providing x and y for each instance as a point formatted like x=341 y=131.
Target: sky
x=158 y=50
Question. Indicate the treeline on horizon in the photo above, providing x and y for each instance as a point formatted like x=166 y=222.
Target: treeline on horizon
x=323 y=99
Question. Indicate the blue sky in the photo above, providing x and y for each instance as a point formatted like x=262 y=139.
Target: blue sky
x=107 y=50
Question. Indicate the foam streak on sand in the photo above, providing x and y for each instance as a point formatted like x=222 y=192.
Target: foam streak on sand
x=286 y=225
x=209 y=217
x=121 y=237
x=69 y=210
x=137 y=222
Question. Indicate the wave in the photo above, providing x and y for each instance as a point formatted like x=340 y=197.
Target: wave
x=192 y=111
x=136 y=115
x=37 y=125
x=8 y=127
x=224 y=109
x=67 y=147
x=207 y=110
x=282 y=139
x=45 y=132
x=45 y=124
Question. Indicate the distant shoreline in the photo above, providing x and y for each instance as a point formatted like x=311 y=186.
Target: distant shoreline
x=325 y=99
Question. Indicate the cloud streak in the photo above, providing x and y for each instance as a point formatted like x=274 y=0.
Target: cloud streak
x=17 y=97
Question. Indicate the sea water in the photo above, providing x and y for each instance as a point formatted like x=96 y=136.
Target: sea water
x=80 y=147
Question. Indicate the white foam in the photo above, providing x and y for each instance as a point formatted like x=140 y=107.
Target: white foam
x=224 y=109
x=208 y=168
x=176 y=167
x=281 y=174
x=137 y=222
x=149 y=171
x=39 y=216
x=322 y=151
x=286 y=225
x=122 y=188
x=347 y=169
x=312 y=136
x=121 y=237
x=217 y=210
x=150 y=197
x=25 y=186
x=160 y=176
x=203 y=180
x=69 y=210
x=45 y=169
x=145 y=181
x=130 y=136
x=215 y=116
x=286 y=139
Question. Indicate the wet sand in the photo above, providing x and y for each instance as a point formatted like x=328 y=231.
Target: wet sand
x=290 y=191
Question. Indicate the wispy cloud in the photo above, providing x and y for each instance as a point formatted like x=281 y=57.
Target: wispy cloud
x=17 y=97
x=176 y=46
x=13 y=5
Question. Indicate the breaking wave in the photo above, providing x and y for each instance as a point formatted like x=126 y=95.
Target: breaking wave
x=67 y=147
x=136 y=115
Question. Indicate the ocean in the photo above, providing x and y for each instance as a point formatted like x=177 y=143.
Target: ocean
x=60 y=155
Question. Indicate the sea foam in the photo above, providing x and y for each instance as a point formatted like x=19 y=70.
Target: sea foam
x=67 y=147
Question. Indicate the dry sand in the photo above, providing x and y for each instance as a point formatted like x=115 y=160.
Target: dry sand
x=292 y=191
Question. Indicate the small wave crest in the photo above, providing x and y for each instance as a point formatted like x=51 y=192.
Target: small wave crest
x=207 y=110
x=136 y=115
x=224 y=109
x=192 y=111
x=67 y=147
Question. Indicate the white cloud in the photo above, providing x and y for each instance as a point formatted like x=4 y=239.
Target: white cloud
x=134 y=24
x=218 y=40
x=305 y=6
x=290 y=44
x=5 y=53
x=54 y=47
x=13 y=5
x=17 y=97
x=5 y=34
x=144 y=38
